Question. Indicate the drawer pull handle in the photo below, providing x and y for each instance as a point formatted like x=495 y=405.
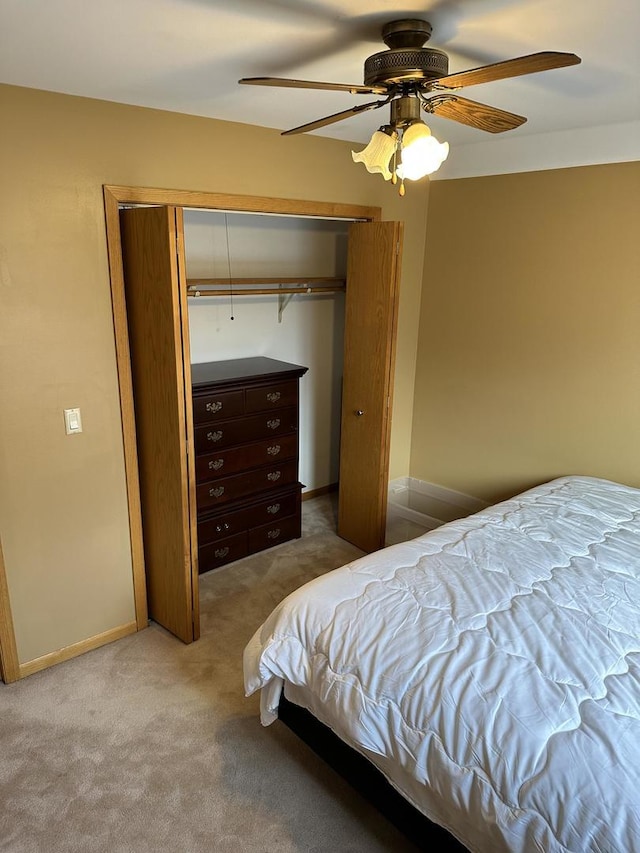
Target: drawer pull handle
x=214 y=407
x=273 y=450
x=216 y=464
x=214 y=436
x=221 y=527
x=273 y=396
x=273 y=534
x=273 y=476
x=273 y=509
x=222 y=552
x=217 y=492
x=274 y=424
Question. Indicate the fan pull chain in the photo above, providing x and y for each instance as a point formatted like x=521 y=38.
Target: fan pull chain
x=226 y=228
x=394 y=176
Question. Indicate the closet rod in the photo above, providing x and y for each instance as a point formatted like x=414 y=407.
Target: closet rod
x=194 y=290
x=226 y=286
x=201 y=282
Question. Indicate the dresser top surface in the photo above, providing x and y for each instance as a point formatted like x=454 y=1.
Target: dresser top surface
x=240 y=368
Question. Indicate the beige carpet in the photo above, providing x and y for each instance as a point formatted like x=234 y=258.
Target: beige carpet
x=150 y=745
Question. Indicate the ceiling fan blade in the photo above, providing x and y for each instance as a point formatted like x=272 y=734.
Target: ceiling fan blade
x=321 y=122
x=544 y=61
x=473 y=114
x=312 y=84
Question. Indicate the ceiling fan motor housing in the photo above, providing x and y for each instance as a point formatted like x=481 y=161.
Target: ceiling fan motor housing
x=407 y=32
x=406 y=59
x=398 y=66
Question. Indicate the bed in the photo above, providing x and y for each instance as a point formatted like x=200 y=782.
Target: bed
x=489 y=670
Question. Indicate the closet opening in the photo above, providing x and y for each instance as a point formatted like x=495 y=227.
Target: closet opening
x=206 y=279
x=273 y=286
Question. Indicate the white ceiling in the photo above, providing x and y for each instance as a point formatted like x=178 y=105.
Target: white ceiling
x=187 y=56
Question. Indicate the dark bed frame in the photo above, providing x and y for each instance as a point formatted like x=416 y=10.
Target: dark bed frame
x=367 y=780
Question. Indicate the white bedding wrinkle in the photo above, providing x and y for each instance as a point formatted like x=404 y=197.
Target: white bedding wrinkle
x=490 y=668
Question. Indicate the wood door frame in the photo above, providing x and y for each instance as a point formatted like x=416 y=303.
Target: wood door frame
x=114 y=196
x=9 y=663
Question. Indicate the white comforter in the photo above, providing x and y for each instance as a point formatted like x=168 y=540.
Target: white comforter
x=490 y=668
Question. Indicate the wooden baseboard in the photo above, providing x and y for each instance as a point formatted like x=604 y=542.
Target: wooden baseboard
x=76 y=649
x=323 y=490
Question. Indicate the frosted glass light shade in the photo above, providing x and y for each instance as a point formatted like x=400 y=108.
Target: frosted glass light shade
x=378 y=153
x=422 y=154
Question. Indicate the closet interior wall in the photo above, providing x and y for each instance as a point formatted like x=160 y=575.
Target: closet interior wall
x=307 y=329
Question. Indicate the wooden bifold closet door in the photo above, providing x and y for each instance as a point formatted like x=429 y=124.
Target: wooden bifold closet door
x=371 y=317
x=155 y=287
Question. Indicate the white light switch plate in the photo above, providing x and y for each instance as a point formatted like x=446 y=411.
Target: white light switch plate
x=72 y=421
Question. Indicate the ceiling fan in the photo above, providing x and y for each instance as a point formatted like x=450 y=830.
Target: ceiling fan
x=412 y=78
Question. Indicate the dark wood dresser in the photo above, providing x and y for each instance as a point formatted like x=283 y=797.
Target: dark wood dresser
x=245 y=417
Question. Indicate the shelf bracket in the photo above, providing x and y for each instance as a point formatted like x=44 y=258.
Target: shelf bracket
x=283 y=300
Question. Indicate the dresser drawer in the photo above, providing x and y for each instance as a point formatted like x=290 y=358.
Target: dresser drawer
x=274 y=396
x=240 y=430
x=271 y=534
x=273 y=509
x=213 y=407
x=248 y=456
x=221 y=527
x=278 y=474
x=225 y=551
x=221 y=491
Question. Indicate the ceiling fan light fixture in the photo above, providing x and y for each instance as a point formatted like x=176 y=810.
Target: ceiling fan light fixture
x=422 y=154
x=378 y=153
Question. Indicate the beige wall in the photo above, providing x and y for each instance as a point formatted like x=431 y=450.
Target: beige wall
x=529 y=346
x=63 y=513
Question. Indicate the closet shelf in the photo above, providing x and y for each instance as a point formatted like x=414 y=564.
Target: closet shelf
x=198 y=287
